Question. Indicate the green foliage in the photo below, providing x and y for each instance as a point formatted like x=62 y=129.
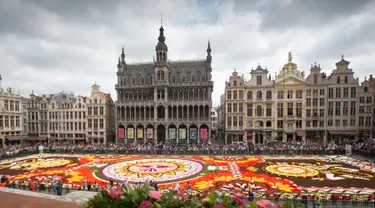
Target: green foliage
x=133 y=199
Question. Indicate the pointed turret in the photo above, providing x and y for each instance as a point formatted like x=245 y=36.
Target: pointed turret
x=209 y=57
x=161 y=48
x=119 y=64
x=123 y=55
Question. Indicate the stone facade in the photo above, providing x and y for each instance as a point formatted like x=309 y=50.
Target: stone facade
x=100 y=114
x=66 y=116
x=10 y=114
x=292 y=108
x=164 y=101
x=214 y=122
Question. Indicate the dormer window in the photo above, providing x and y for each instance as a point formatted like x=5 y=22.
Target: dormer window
x=160 y=75
x=346 y=79
x=315 y=79
x=193 y=79
x=203 y=78
x=183 y=79
x=338 y=80
x=235 y=83
x=366 y=89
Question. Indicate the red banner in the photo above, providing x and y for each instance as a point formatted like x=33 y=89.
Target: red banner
x=121 y=133
x=203 y=134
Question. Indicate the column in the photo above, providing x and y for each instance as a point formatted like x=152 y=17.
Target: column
x=166 y=112
x=284 y=137
x=116 y=135
x=209 y=134
x=166 y=134
x=198 y=135
x=199 y=113
x=187 y=134
x=155 y=113
x=144 y=135
x=226 y=138
x=253 y=137
x=126 y=134
x=177 y=135
x=155 y=135
x=294 y=137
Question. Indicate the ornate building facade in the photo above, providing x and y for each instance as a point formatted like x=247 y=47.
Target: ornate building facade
x=164 y=101
x=100 y=113
x=10 y=114
x=294 y=108
x=57 y=116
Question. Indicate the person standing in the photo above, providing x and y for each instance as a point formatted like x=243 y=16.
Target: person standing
x=58 y=189
x=84 y=184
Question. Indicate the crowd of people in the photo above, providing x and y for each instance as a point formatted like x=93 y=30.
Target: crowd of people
x=367 y=147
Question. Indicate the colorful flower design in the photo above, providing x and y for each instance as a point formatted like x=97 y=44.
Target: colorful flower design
x=292 y=170
x=159 y=170
x=226 y=175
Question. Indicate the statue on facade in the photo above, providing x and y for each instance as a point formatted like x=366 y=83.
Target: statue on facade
x=290 y=58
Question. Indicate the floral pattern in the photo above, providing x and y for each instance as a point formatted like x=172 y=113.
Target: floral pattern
x=226 y=175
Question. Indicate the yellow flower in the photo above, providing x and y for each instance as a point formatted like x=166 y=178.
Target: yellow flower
x=252 y=169
x=204 y=184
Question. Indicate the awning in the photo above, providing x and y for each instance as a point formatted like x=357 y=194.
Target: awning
x=249 y=134
x=301 y=132
x=36 y=138
x=343 y=132
x=365 y=130
x=290 y=133
x=15 y=138
x=315 y=130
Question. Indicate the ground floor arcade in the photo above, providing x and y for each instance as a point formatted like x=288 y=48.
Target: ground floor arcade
x=314 y=135
x=163 y=133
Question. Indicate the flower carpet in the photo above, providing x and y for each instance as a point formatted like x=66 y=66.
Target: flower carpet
x=278 y=176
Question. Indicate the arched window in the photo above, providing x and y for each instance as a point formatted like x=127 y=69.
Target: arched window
x=183 y=79
x=193 y=78
x=259 y=94
x=366 y=89
x=268 y=95
x=249 y=95
x=160 y=75
x=346 y=79
x=235 y=83
x=259 y=110
x=338 y=79
x=268 y=124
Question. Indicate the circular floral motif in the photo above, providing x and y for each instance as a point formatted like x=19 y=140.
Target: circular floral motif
x=158 y=170
x=292 y=170
x=39 y=163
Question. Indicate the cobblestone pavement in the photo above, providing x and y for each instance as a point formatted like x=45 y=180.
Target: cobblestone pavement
x=78 y=197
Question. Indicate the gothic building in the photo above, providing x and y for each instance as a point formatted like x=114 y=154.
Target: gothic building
x=164 y=101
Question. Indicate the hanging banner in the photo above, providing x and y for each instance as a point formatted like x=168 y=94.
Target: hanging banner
x=121 y=133
x=203 y=134
x=139 y=133
x=172 y=133
x=150 y=133
x=181 y=133
x=130 y=133
x=193 y=133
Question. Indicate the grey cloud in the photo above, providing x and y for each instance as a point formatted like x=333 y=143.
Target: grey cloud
x=306 y=14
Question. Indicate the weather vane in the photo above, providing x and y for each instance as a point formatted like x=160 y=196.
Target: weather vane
x=161 y=18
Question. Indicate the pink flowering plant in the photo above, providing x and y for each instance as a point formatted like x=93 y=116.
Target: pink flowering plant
x=146 y=198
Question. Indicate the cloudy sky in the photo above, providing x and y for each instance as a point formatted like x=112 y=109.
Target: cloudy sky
x=54 y=45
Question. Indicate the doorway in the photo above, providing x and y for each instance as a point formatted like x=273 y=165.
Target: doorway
x=161 y=134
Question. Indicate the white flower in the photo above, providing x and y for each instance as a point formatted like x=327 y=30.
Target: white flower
x=211 y=168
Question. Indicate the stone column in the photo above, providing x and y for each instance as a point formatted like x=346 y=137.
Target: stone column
x=126 y=134
x=117 y=139
x=166 y=133
x=209 y=134
x=294 y=137
x=155 y=135
x=198 y=135
x=284 y=137
x=226 y=137
x=144 y=135
x=177 y=135
x=253 y=137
